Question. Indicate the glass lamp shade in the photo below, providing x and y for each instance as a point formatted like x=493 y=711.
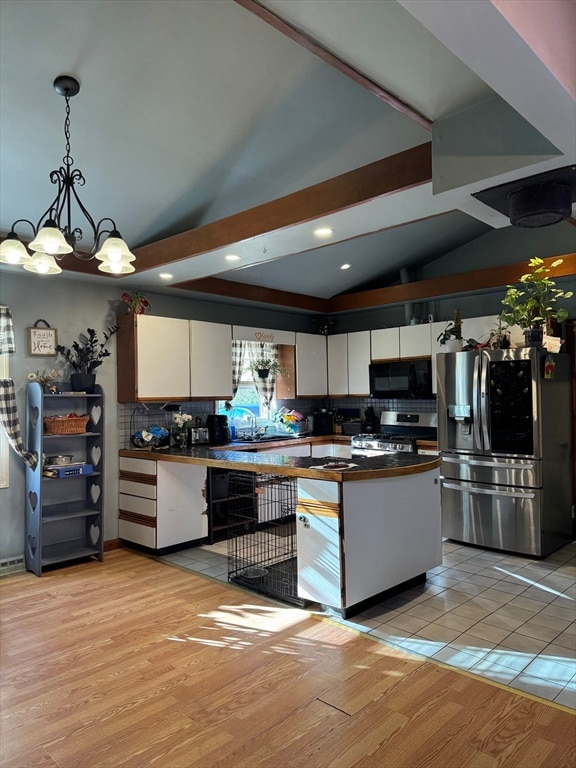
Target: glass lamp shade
x=12 y=251
x=119 y=267
x=115 y=256
x=43 y=264
x=50 y=240
x=115 y=249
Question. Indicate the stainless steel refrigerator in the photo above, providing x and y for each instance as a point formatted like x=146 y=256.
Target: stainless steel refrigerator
x=505 y=438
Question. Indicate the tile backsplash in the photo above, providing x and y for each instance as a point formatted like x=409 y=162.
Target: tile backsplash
x=136 y=416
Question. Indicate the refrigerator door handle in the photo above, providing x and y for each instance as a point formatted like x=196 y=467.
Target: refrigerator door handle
x=488 y=491
x=476 y=404
x=483 y=360
x=490 y=464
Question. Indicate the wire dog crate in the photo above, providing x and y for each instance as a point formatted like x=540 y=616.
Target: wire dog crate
x=262 y=552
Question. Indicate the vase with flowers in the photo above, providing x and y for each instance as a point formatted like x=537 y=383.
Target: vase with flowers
x=47 y=379
x=180 y=428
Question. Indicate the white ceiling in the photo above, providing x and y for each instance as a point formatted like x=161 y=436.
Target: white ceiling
x=195 y=110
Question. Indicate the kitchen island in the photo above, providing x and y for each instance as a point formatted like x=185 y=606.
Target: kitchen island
x=360 y=530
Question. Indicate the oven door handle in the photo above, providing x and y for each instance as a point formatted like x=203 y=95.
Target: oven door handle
x=488 y=491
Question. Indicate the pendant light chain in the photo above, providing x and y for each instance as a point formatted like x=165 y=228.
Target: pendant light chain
x=68 y=160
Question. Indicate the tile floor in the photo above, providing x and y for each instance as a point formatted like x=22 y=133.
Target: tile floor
x=504 y=617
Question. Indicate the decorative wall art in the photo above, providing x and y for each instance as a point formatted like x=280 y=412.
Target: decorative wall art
x=42 y=340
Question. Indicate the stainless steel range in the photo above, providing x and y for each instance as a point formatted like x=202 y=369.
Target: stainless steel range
x=399 y=432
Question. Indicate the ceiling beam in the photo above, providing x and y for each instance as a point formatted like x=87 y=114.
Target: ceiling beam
x=324 y=54
x=232 y=290
x=422 y=290
x=403 y=170
x=450 y=285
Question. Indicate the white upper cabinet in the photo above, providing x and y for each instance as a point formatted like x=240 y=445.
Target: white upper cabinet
x=358 y=362
x=397 y=343
x=210 y=360
x=385 y=344
x=338 y=364
x=153 y=358
x=415 y=340
x=348 y=361
x=311 y=365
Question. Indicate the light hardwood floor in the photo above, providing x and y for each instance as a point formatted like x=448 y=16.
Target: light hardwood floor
x=133 y=662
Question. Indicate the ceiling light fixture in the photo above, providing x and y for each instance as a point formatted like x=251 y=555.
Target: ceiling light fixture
x=232 y=257
x=54 y=234
x=345 y=266
x=323 y=231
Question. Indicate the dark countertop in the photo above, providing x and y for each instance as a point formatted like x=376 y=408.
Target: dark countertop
x=368 y=468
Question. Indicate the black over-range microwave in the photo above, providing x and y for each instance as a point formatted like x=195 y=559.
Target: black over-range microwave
x=401 y=380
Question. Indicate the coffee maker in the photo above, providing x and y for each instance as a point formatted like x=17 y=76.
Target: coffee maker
x=218 y=429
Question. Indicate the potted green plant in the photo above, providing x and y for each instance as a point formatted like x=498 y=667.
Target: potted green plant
x=263 y=366
x=534 y=304
x=451 y=336
x=499 y=337
x=85 y=356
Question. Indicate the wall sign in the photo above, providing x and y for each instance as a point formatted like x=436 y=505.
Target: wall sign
x=42 y=340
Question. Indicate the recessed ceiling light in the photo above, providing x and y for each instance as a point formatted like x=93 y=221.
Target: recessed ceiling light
x=165 y=276
x=232 y=257
x=345 y=266
x=323 y=231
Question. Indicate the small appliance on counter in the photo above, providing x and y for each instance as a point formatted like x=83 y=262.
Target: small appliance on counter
x=323 y=423
x=218 y=429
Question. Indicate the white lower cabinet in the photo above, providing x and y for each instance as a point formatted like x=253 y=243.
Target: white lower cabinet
x=356 y=539
x=318 y=542
x=161 y=504
x=330 y=449
x=289 y=450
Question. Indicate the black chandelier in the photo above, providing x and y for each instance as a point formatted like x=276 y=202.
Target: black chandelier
x=54 y=234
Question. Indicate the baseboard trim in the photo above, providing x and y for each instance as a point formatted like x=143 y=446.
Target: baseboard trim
x=112 y=544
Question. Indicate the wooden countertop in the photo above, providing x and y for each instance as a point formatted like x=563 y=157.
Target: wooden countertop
x=368 y=468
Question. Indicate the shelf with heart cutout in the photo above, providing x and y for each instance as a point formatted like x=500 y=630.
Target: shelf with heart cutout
x=63 y=504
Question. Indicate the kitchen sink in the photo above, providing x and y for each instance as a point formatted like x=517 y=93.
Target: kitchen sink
x=263 y=438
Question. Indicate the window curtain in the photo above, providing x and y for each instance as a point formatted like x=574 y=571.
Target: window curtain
x=10 y=423
x=238 y=352
x=7 y=345
x=264 y=387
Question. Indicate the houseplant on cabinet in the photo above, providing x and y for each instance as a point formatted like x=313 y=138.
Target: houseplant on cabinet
x=534 y=304
x=451 y=336
x=85 y=356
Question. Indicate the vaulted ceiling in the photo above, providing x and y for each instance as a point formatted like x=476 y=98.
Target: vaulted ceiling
x=207 y=128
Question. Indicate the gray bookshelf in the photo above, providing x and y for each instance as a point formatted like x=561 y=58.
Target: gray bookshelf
x=63 y=514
